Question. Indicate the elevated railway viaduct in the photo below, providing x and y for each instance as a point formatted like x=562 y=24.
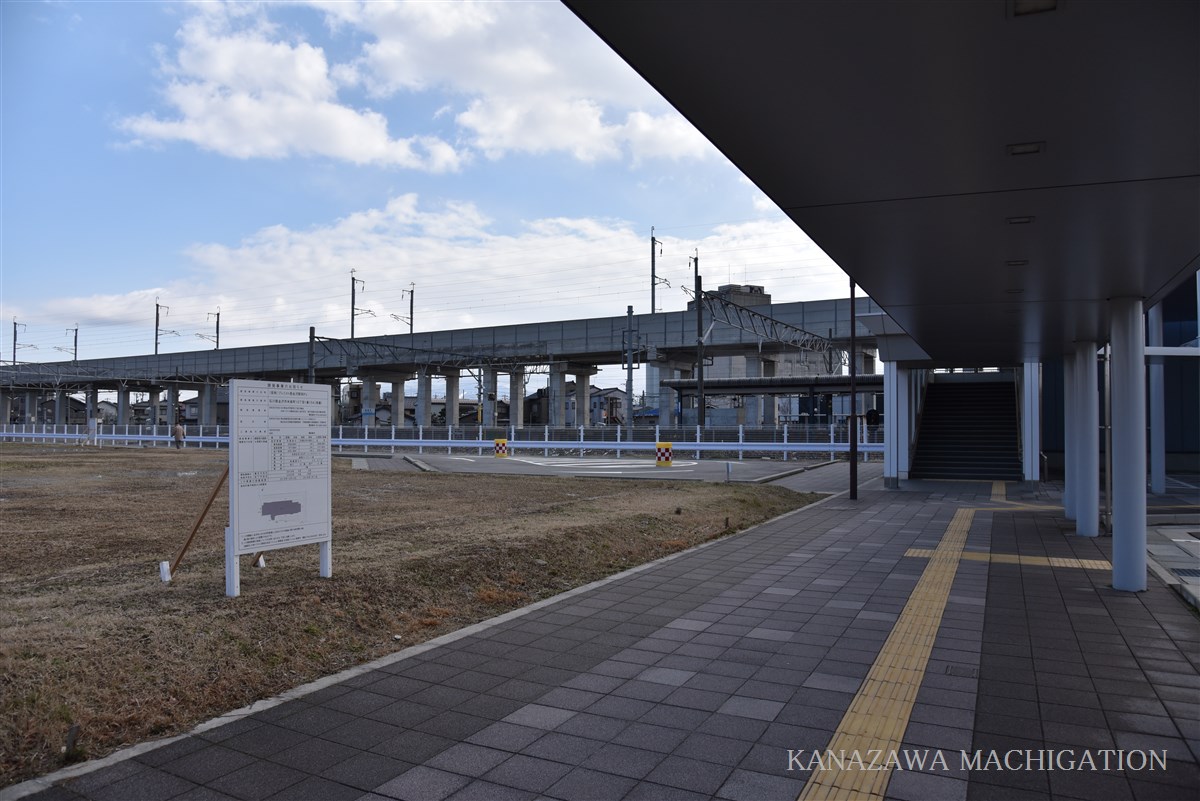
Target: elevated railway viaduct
x=665 y=342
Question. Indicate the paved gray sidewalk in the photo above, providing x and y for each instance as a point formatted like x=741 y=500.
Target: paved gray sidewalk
x=719 y=673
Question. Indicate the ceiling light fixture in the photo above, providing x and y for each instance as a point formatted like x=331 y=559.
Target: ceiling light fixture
x=1021 y=220
x=1014 y=292
x=1016 y=263
x=1026 y=148
x=1021 y=8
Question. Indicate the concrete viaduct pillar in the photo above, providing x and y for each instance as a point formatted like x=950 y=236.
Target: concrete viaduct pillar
x=667 y=397
x=556 y=396
x=424 y=410
x=369 y=396
x=488 y=390
x=60 y=407
x=31 y=406
x=208 y=404
x=172 y=404
x=583 y=395
x=516 y=397
x=5 y=406
x=123 y=406
x=452 y=393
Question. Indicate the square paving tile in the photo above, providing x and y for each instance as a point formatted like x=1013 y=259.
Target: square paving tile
x=527 y=773
x=422 y=784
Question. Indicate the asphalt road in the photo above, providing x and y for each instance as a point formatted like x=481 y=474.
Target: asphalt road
x=749 y=470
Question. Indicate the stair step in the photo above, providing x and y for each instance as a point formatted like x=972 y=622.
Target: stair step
x=968 y=431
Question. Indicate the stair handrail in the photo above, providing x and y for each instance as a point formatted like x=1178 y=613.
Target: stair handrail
x=1018 y=389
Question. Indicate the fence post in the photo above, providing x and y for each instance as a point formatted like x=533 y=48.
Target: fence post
x=831 y=440
x=480 y=439
x=618 y=440
x=420 y=437
x=741 y=439
x=546 y=438
x=697 y=442
x=449 y=436
x=785 y=442
x=581 y=441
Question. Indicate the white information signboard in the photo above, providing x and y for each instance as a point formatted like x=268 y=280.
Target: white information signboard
x=279 y=472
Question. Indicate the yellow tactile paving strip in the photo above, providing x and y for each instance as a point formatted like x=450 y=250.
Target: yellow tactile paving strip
x=879 y=713
x=1018 y=559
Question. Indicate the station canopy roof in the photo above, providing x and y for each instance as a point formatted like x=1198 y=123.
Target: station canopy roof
x=990 y=172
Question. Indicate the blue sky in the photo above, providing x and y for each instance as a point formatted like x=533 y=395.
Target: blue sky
x=246 y=156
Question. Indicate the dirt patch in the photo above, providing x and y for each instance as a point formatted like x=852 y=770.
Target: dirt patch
x=90 y=637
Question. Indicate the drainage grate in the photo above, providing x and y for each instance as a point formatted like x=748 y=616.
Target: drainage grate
x=962 y=671
x=1186 y=572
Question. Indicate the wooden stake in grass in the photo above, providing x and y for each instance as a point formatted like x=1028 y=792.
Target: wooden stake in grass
x=167 y=570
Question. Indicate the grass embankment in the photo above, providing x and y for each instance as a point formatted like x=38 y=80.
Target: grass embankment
x=90 y=637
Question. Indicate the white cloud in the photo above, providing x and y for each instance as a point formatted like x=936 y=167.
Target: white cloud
x=275 y=283
x=515 y=77
x=245 y=95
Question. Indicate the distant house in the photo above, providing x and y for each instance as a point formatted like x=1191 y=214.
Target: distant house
x=76 y=411
x=605 y=406
x=106 y=411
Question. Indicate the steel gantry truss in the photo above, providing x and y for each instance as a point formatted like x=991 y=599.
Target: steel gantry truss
x=767 y=328
x=357 y=352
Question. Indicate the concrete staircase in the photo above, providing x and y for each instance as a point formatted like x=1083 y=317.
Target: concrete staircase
x=968 y=431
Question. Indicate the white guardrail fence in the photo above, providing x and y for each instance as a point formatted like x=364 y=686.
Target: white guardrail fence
x=785 y=441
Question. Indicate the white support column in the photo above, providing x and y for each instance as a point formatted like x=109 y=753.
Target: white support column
x=452 y=391
x=516 y=397
x=1031 y=421
x=1129 y=445
x=424 y=415
x=153 y=411
x=1157 y=410
x=31 y=407
x=904 y=423
x=1070 y=471
x=60 y=408
x=1087 y=439
x=891 y=413
x=91 y=398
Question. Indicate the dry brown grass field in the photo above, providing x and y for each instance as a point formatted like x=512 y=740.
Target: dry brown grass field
x=90 y=636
